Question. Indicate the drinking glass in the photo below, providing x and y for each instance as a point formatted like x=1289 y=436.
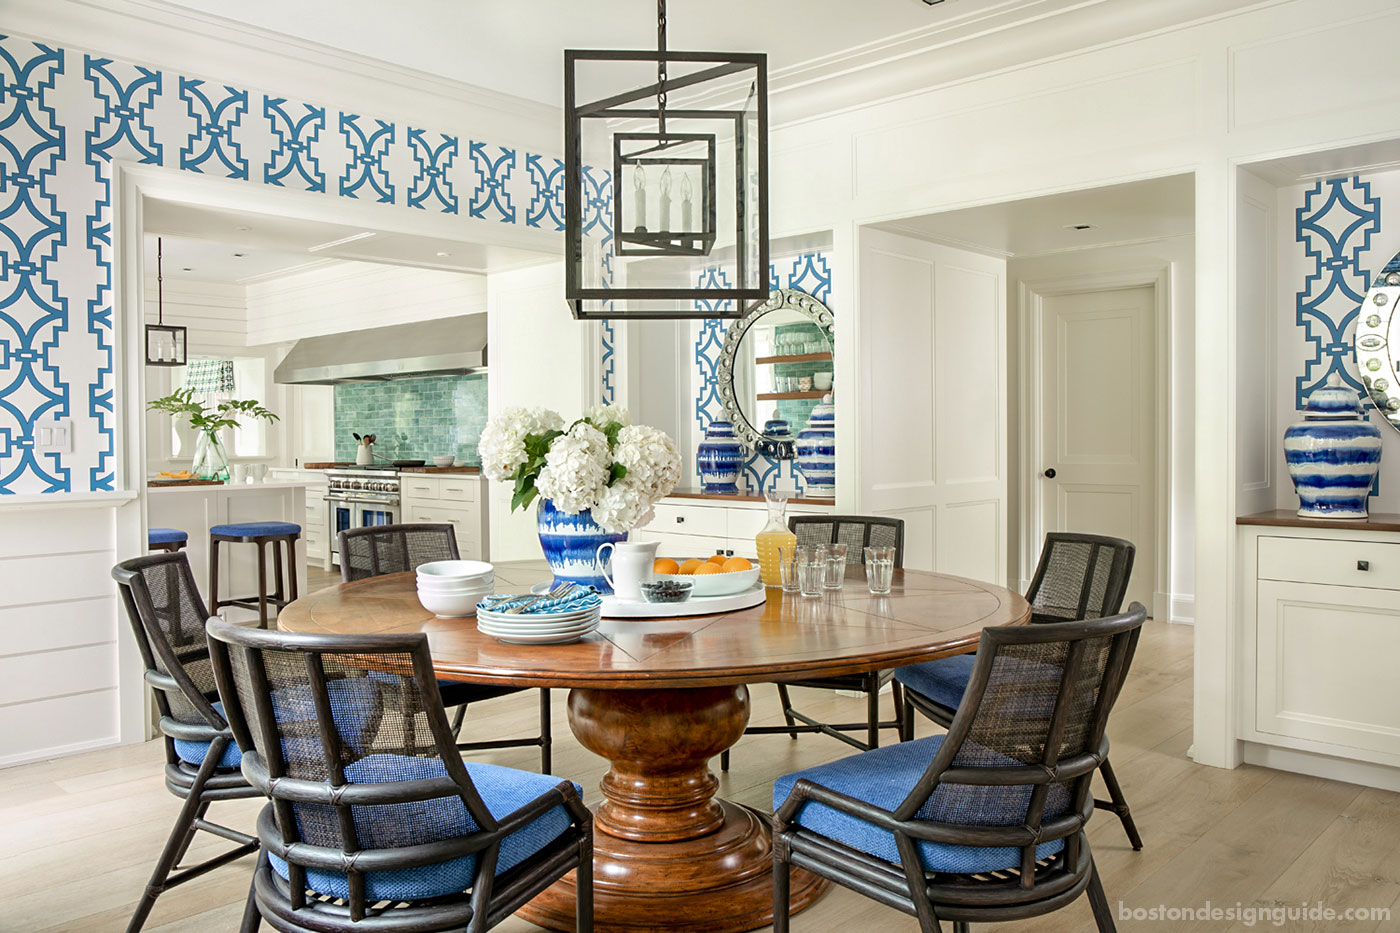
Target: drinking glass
x=879 y=569
x=834 y=572
x=787 y=566
x=810 y=566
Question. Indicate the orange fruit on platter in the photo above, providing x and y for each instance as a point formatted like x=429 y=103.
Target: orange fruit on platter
x=707 y=568
x=736 y=564
x=718 y=559
x=690 y=565
x=665 y=565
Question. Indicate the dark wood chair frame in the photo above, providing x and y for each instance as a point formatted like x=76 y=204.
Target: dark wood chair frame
x=1116 y=590
x=1036 y=887
x=480 y=692
x=870 y=684
x=263 y=599
x=286 y=904
x=197 y=786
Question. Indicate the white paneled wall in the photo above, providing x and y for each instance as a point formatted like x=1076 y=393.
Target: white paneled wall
x=356 y=296
x=1257 y=307
x=215 y=312
x=58 y=632
x=933 y=410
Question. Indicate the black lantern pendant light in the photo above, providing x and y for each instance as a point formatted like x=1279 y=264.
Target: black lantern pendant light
x=165 y=343
x=665 y=182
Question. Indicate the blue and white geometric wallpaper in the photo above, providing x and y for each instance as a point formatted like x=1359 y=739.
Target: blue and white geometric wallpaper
x=66 y=116
x=806 y=272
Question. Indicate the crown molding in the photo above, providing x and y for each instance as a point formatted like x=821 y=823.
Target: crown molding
x=189 y=42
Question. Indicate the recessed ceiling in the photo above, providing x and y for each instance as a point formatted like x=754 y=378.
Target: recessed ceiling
x=516 y=46
x=1127 y=213
x=1330 y=163
x=307 y=241
x=190 y=259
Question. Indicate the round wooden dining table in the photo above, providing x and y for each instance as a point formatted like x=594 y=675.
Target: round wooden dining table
x=658 y=698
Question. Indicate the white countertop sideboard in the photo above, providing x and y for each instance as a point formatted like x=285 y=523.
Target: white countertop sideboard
x=1319 y=643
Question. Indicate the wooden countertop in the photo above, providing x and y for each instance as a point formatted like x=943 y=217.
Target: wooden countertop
x=1288 y=518
x=349 y=465
x=739 y=497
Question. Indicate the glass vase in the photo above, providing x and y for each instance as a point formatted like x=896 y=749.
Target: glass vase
x=210 y=457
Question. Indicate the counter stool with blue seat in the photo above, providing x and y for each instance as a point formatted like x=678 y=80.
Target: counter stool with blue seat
x=201 y=760
x=262 y=534
x=166 y=539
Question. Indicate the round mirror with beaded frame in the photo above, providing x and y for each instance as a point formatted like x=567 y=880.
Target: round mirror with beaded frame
x=1378 y=342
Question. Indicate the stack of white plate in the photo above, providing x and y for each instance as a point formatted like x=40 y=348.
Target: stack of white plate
x=541 y=628
x=451 y=588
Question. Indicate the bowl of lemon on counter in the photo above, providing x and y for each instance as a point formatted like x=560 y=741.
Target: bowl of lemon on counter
x=720 y=575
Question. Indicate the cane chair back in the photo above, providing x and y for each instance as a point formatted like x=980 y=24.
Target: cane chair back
x=1080 y=577
x=857 y=532
x=381 y=549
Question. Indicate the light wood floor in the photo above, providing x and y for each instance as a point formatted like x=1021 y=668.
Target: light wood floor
x=78 y=836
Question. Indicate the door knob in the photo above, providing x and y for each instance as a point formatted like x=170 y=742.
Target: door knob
x=1050 y=473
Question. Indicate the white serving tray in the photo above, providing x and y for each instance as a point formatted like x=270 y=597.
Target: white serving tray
x=614 y=608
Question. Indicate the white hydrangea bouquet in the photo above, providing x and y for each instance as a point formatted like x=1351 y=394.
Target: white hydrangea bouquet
x=601 y=464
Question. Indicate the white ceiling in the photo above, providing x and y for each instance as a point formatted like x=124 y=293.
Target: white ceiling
x=516 y=46
x=273 y=245
x=1128 y=213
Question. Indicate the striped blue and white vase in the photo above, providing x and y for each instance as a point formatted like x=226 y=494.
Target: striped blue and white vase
x=1333 y=455
x=571 y=543
x=719 y=458
x=816 y=451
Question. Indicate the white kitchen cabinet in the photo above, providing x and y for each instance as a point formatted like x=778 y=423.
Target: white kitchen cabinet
x=457 y=499
x=313 y=528
x=1321 y=632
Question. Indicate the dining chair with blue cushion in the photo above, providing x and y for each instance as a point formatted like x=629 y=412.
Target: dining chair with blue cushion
x=1078 y=577
x=986 y=823
x=393 y=831
x=857 y=532
x=201 y=759
x=380 y=549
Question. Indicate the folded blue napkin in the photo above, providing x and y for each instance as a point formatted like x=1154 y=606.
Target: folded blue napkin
x=578 y=600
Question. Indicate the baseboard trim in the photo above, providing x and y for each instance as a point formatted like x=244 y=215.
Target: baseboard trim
x=1365 y=773
x=60 y=751
x=1183 y=610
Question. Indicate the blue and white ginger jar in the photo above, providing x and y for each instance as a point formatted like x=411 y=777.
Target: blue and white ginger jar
x=816 y=451
x=719 y=458
x=777 y=440
x=1333 y=455
x=571 y=543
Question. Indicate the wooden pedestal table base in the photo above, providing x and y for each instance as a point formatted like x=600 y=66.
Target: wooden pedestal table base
x=667 y=855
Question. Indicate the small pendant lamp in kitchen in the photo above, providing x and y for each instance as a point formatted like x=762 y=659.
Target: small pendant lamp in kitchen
x=665 y=181
x=165 y=343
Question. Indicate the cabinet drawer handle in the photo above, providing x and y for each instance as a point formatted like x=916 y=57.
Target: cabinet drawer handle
x=1363 y=565
x=680 y=519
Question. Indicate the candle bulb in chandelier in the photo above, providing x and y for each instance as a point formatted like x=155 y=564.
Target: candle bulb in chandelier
x=685 y=203
x=639 y=196
x=665 y=203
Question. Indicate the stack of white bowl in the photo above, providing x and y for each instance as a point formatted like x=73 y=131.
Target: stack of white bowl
x=450 y=589
x=575 y=620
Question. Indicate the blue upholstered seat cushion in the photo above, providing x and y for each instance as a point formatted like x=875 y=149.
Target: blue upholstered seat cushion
x=885 y=776
x=156 y=536
x=400 y=824
x=942 y=681
x=355 y=707
x=193 y=753
x=256 y=529
x=454 y=692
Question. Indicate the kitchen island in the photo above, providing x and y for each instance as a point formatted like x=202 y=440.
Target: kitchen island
x=196 y=509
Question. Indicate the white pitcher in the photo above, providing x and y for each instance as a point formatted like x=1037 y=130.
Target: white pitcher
x=631 y=567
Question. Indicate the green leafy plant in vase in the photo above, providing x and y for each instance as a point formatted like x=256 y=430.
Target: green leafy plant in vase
x=210 y=456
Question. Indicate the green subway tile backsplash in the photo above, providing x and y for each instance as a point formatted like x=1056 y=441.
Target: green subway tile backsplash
x=413 y=418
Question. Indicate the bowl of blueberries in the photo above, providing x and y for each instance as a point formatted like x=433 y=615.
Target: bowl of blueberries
x=667 y=591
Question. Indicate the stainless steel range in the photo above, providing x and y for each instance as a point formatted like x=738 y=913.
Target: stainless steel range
x=360 y=497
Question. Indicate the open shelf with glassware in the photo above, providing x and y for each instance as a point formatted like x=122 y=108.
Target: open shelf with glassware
x=797 y=358
x=772 y=396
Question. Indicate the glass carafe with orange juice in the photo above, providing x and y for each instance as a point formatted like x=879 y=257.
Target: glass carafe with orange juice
x=774 y=535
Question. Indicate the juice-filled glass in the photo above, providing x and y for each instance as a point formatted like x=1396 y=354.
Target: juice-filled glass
x=774 y=535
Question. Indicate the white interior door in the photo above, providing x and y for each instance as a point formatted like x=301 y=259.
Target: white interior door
x=933 y=401
x=1098 y=421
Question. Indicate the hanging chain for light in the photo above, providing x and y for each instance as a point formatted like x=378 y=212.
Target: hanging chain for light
x=160 y=291
x=661 y=65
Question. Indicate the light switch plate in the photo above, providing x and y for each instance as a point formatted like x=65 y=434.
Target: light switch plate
x=55 y=436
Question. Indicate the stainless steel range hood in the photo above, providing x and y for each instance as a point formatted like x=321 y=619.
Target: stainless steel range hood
x=442 y=347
